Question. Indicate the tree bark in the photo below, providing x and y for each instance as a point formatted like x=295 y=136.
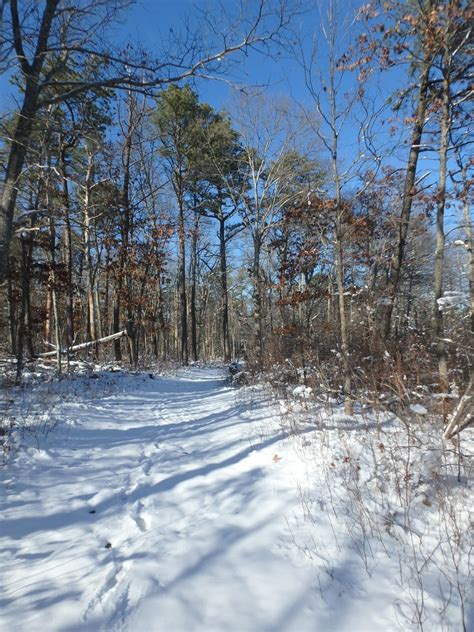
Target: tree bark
x=85 y=345
x=24 y=125
x=11 y=314
x=225 y=293
x=463 y=414
x=339 y=229
x=160 y=319
x=28 y=316
x=257 y=302
x=91 y=312
x=23 y=309
x=53 y=282
x=407 y=201
x=469 y=240
x=193 y=307
x=127 y=230
x=181 y=285
x=116 y=323
x=441 y=351
x=68 y=252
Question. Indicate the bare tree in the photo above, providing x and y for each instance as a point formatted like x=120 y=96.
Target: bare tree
x=455 y=33
x=334 y=111
x=414 y=27
x=47 y=41
x=269 y=140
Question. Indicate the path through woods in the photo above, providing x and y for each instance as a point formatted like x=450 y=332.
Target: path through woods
x=174 y=504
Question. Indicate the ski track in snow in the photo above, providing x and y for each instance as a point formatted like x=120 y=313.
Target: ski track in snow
x=174 y=475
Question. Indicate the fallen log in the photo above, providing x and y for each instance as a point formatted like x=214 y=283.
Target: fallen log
x=84 y=345
x=463 y=414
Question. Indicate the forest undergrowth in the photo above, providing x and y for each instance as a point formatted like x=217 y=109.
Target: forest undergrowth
x=390 y=488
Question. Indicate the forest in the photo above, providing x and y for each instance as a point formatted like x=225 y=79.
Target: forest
x=130 y=207
x=282 y=187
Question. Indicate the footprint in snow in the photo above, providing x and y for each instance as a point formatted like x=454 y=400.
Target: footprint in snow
x=139 y=519
x=146 y=467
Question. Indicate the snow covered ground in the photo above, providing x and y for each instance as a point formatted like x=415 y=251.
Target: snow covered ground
x=182 y=504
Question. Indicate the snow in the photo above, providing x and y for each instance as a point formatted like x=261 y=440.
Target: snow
x=178 y=503
x=453 y=299
x=418 y=409
x=302 y=391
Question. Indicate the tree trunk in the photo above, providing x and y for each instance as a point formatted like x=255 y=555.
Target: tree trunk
x=257 y=302
x=53 y=283
x=92 y=320
x=16 y=159
x=116 y=325
x=126 y=233
x=469 y=241
x=11 y=314
x=181 y=286
x=407 y=201
x=85 y=345
x=339 y=233
x=28 y=316
x=463 y=414
x=441 y=351
x=225 y=293
x=24 y=125
x=161 y=321
x=24 y=303
x=470 y=260
x=106 y=315
x=194 y=266
x=68 y=254
x=342 y=317
x=49 y=314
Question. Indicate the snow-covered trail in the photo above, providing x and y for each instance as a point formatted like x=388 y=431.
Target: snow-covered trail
x=162 y=507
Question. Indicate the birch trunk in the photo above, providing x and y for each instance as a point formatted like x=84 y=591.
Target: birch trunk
x=92 y=320
x=257 y=302
x=68 y=252
x=441 y=351
x=339 y=228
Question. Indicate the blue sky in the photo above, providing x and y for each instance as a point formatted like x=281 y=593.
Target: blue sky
x=149 y=19
x=281 y=75
x=149 y=22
